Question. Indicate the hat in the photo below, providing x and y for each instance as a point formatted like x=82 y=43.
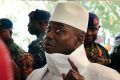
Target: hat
x=39 y=15
x=6 y=23
x=93 y=20
x=71 y=14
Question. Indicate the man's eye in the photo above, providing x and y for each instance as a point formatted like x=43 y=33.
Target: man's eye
x=48 y=30
x=57 y=31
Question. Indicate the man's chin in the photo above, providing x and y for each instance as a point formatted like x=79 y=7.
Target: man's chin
x=31 y=32
x=88 y=41
x=49 y=51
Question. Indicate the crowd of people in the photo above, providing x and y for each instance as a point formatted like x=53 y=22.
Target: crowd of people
x=65 y=48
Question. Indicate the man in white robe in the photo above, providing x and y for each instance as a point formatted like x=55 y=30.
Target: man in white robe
x=65 y=38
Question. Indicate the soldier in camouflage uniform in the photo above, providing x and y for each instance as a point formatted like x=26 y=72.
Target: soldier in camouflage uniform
x=95 y=52
x=38 y=21
x=6 y=35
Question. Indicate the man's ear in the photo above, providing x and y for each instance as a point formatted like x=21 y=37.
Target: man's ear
x=81 y=38
x=10 y=32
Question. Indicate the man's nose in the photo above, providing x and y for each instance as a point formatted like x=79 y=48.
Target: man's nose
x=29 y=24
x=50 y=35
x=89 y=32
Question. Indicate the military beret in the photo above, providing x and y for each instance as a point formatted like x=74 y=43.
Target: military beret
x=6 y=23
x=39 y=15
x=93 y=20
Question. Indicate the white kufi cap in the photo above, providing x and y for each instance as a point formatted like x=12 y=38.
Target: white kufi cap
x=71 y=14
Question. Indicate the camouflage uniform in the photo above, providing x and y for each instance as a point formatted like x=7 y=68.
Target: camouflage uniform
x=98 y=54
x=14 y=49
x=95 y=52
x=37 y=50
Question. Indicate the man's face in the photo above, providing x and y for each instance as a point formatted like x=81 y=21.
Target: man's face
x=91 y=35
x=5 y=33
x=36 y=27
x=60 y=38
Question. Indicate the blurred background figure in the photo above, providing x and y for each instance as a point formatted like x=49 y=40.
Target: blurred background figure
x=38 y=21
x=6 y=26
x=6 y=72
x=115 y=53
x=25 y=63
x=95 y=52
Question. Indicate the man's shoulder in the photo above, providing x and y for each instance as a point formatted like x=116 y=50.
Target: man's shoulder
x=35 y=42
x=14 y=48
x=100 y=45
x=103 y=48
x=102 y=72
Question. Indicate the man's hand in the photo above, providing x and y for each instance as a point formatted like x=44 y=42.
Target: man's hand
x=73 y=73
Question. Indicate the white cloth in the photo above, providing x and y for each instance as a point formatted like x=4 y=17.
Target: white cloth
x=58 y=64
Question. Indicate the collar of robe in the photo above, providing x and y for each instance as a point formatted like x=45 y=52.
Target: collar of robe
x=58 y=63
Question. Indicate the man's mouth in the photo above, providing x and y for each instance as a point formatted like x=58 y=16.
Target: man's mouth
x=88 y=38
x=48 y=45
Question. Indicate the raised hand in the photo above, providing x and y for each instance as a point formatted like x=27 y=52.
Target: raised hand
x=73 y=73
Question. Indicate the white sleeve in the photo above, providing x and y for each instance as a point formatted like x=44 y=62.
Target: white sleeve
x=100 y=72
x=35 y=75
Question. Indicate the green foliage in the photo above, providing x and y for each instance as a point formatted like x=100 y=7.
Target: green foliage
x=107 y=12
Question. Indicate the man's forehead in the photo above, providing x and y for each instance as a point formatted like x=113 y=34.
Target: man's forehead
x=36 y=21
x=62 y=25
x=1 y=28
x=56 y=24
x=94 y=27
x=95 y=21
